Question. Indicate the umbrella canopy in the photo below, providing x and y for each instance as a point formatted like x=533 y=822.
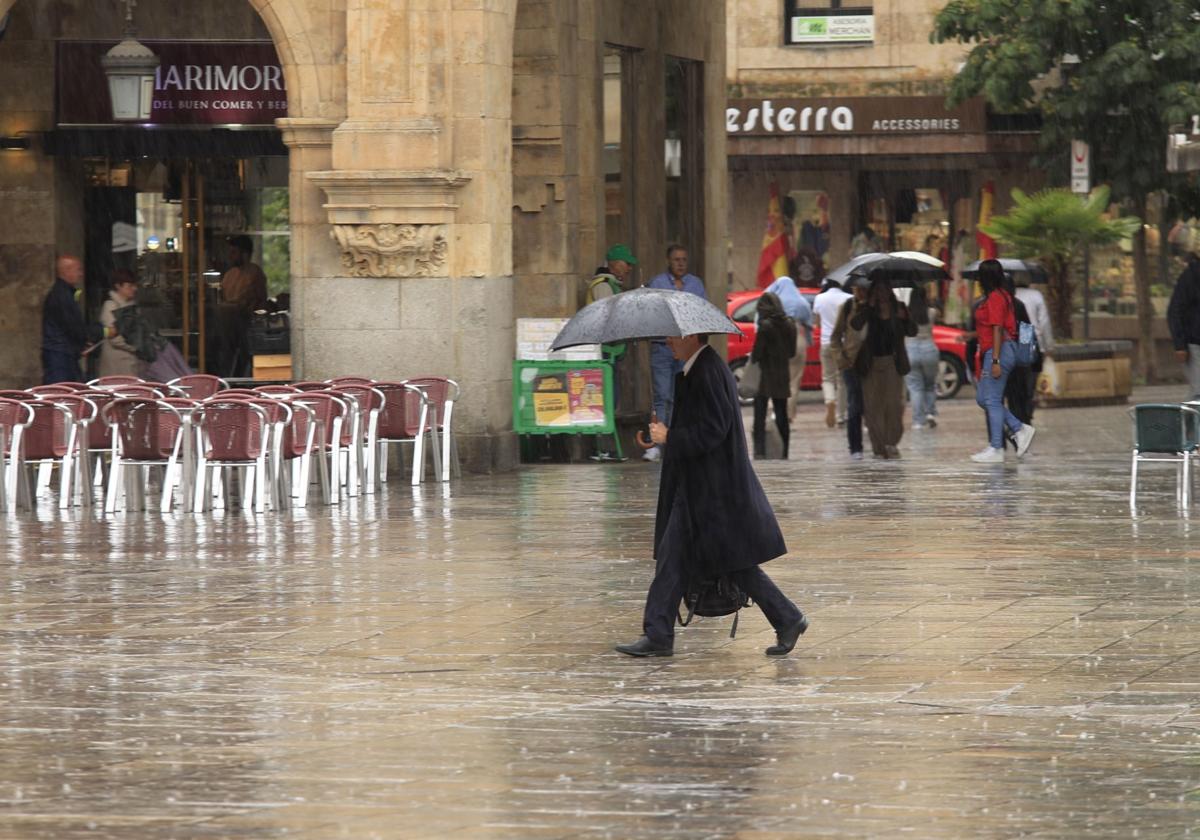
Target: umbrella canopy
x=1037 y=272
x=643 y=313
x=903 y=269
x=842 y=273
x=919 y=256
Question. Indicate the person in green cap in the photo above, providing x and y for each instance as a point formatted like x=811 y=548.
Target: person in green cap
x=611 y=279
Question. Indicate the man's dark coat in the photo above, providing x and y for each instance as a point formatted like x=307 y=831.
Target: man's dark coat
x=711 y=509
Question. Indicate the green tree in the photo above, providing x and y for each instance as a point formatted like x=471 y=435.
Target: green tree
x=1134 y=67
x=1053 y=226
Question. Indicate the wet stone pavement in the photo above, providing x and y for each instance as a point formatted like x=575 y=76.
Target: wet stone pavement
x=995 y=652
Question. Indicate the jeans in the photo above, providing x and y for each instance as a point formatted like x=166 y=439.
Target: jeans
x=922 y=379
x=989 y=393
x=667 y=590
x=663 y=367
x=854 y=410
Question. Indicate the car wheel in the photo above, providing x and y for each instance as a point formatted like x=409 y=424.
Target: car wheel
x=738 y=366
x=951 y=376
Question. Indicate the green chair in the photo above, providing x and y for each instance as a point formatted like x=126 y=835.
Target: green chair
x=1165 y=432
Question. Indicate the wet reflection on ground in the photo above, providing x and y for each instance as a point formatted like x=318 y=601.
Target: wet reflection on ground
x=995 y=651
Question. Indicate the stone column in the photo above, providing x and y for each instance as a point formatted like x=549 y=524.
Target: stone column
x=418 y=196
x=314 y=255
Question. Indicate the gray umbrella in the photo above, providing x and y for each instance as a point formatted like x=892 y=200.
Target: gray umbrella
x=643 y=313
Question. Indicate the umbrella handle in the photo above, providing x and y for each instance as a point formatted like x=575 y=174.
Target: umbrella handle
x=641 y=439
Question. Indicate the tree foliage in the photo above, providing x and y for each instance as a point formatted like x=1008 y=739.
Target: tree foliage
x=1133 y=72
x=1053 y=226
x=1136 y=77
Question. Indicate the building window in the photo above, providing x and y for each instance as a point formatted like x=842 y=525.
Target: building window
x=815 y=22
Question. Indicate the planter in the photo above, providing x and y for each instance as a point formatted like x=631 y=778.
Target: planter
x=1160 y=305
x=1092 y=373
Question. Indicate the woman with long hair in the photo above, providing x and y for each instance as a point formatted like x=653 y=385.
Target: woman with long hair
x=774 y=345
x=882 y=364
x=996 y=326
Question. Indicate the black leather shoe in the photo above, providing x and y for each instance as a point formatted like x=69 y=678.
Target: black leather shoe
x=645 y=647
x=787 y=638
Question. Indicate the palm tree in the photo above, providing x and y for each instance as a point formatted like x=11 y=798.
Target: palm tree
x=1053 y=226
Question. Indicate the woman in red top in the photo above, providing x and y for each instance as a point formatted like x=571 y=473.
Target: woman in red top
x=996 y=325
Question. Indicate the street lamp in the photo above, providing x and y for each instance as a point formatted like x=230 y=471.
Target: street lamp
x=130 y=67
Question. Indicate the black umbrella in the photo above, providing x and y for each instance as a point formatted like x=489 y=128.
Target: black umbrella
x=1037 y=273
x=643 y=313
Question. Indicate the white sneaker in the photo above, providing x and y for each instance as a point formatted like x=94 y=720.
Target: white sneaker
x=918 y=426
x=856 y=456
x=652 y=454
x=1023 y=438
x=989 y=456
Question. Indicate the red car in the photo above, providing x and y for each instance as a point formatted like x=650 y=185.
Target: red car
x=952 y=346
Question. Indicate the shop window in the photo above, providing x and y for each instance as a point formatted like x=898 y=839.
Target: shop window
x=683 y=150
x=807 y=214
x=815 y=22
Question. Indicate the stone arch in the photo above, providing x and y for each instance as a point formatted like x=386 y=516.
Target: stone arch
x=312 y=68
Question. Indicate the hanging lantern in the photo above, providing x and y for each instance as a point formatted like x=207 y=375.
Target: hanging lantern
x=130 y=67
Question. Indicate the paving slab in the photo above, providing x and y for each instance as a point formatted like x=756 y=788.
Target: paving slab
x=995 y=651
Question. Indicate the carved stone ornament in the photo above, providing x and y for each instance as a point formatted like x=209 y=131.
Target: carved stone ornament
x=388 y=250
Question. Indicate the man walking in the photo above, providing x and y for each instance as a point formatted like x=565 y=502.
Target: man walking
x=826 y=306
x=1183 y=318
x=64 y=332
x=663 y=365
x=713 y=519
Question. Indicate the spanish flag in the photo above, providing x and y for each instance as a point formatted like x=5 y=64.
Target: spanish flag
x=987 y=245
x=773 y=262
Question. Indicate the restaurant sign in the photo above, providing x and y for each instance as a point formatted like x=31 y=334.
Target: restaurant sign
x=197 y=83
x=865 y=115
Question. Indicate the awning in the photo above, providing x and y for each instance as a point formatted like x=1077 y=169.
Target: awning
x=137 y=142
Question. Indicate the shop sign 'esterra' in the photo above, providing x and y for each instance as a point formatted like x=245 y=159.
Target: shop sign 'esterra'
x=853 y=115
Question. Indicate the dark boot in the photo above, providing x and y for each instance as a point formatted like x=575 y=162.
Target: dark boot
x=760 y=445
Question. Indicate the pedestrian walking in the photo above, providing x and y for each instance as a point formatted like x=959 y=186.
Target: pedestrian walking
x=796 y=307
x=825 y=307
x=1183 y=318
x=1018 y=392
x=923 y=358
x=882 y=364
x=118 y=356
x=713 y=519
x=663 y=366
x=774 y=346
x=1043 y=331
x=847 y=343
x=996 y=326
x=64 y=331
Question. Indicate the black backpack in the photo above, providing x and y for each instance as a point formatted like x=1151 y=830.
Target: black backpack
x=713 y=599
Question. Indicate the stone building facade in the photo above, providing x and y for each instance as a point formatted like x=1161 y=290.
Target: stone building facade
x=444 y=166
x=865 y=138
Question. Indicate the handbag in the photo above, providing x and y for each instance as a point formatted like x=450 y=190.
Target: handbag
x=852 y=340
x=750 y=381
